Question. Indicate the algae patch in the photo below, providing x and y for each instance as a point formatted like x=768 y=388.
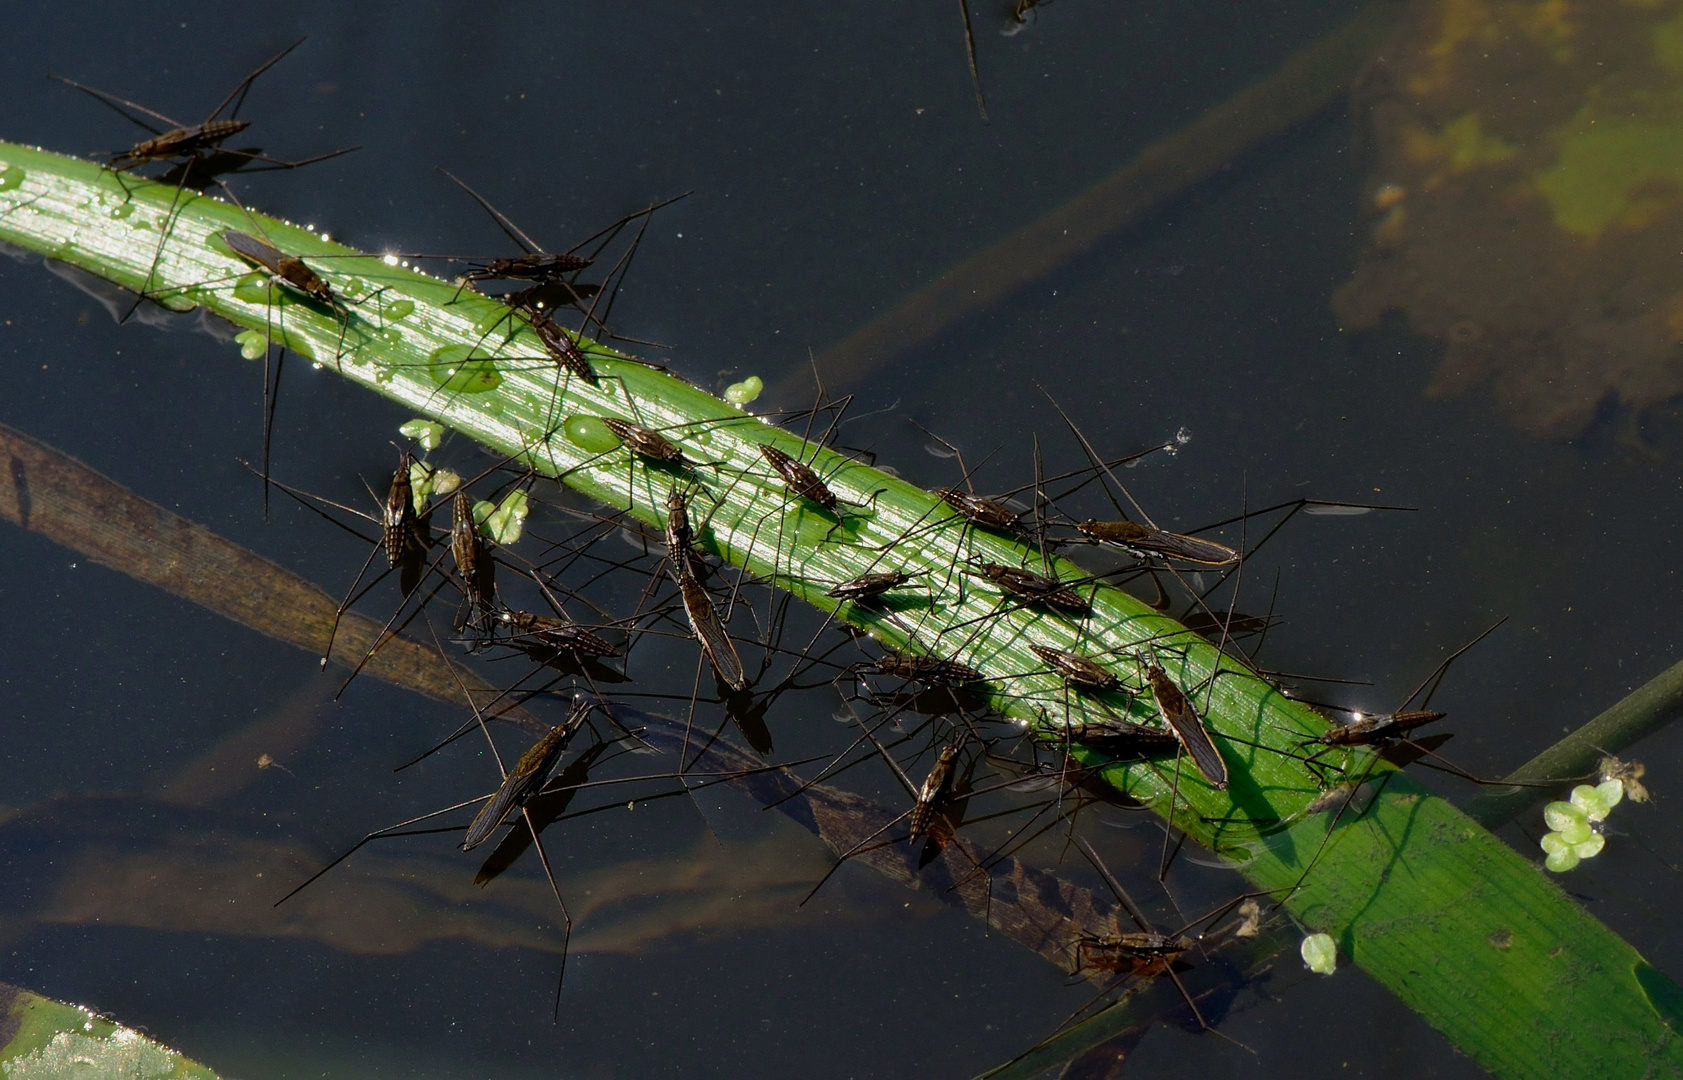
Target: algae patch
x=1526 y=209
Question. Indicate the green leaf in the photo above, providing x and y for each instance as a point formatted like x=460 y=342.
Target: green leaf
x=42 y=1039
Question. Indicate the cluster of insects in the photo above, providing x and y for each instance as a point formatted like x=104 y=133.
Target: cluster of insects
x=909 y=651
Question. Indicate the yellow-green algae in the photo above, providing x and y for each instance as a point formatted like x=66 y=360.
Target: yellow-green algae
x=1614 y=171
x=1528 y=206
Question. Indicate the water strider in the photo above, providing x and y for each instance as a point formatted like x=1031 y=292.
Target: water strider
x=1113 y=735
x=288 y=271
x=1033 y=587
x=405 y=536
x=534 y=264
x=194 y=141
x=683 y=561
x=1145 y=953
x=525 y=780
x=474 y=564
x=561 y=346
x=1077 y=669
x=399 y=518
x=1142 y=954
x=538 y=634
x=937 y=788
x=1368 y=730
x=542 y=269
x=802 y=479
x=537 y=267
x=979 y=509
x=645 y=442
x=1385 y=733
x=973 y=508
x=1150 y=540
x=680 y=535
x=291 y=273
x=1178 y=712
x=405 y=533
x=867 y=587
x=932 y=670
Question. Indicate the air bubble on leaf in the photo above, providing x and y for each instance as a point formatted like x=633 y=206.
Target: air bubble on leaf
x=401 y=309
x=588 y=433
x=252 y=343
x=740 y=394
x=488 y=321
x=1558 y=815
x=1320 y=954
x=454 y=367
x=253 y=289
x=426 y=432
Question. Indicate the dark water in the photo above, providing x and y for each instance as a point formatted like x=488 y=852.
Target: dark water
x=838 y=163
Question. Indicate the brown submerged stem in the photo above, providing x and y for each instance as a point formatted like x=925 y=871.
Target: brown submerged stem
x=50 y=493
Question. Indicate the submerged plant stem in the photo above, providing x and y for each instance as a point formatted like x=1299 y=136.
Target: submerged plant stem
x=1637 y=715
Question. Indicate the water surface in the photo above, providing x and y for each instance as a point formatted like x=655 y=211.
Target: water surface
x=838 y=163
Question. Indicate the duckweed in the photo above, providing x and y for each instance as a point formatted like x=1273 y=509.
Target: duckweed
x=1572 y=836
x=740 y=394
x=252 y=343
x=1320 y=954
x=504 y=521
x=429 y=433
